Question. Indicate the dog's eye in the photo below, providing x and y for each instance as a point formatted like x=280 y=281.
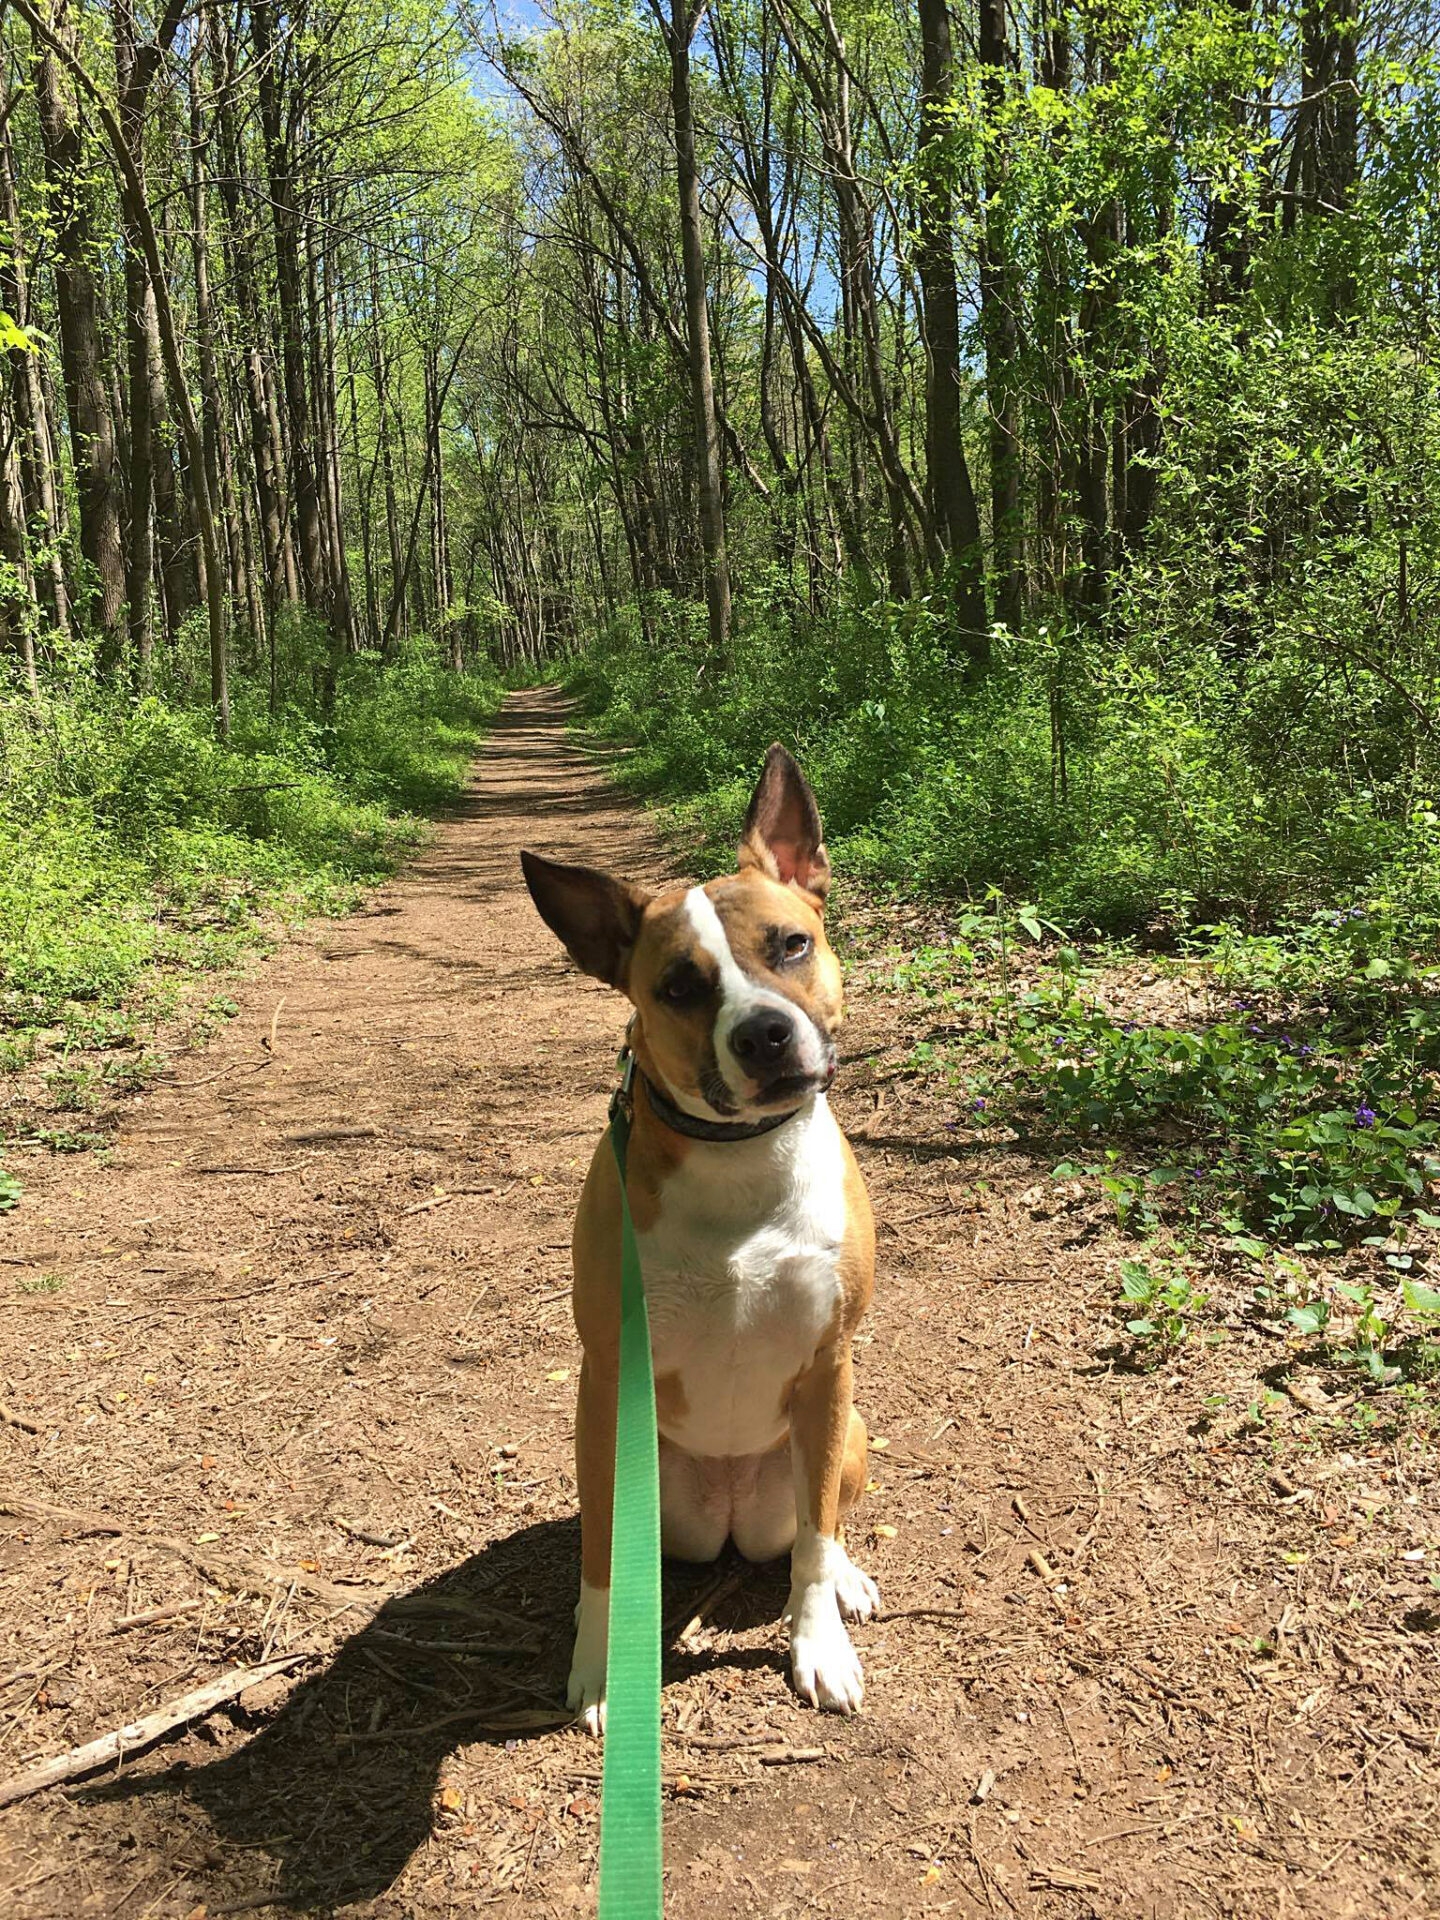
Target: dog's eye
x=682 y=986
x=797 y=945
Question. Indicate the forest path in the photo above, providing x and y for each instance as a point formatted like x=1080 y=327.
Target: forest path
x=299 y=1361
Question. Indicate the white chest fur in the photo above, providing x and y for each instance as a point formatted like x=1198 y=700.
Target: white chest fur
x=741 y=1278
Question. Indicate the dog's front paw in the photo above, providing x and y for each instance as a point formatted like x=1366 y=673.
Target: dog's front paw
x=585 y=1695
x=857 y=1594
x=823 y=1664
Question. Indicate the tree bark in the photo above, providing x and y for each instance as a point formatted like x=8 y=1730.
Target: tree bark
x=35 y=448
x=290 y=296
x=679 y=32
x=82 y=347
x=999 y=326
x=951 y=494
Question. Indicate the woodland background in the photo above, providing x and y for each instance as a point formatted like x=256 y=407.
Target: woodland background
x=1030 y=411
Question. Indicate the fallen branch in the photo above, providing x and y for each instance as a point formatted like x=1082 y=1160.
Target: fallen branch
x=453 y=1646
x=21 y=1507
x=137 y=1734
x=9 y=1418
x=188 y=1086
x=719 y=1590
x=153 y=1615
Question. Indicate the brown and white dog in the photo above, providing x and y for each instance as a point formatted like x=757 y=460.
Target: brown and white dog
x=756 y=1239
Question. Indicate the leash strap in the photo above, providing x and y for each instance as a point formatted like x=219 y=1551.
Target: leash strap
x=631 y=1873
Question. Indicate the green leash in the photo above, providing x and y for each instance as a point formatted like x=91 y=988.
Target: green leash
x=631 y=1877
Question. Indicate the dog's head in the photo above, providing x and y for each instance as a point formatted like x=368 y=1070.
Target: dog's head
x=735 y=988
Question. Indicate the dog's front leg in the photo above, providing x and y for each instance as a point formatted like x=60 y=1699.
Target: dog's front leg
x=595 y=1477
x=827 y=1446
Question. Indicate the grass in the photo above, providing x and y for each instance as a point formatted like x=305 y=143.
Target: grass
x=139 y=855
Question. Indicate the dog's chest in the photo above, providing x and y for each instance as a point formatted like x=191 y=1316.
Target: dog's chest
x=742 y=1281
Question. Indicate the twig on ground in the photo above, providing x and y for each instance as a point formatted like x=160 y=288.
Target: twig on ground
x=451 y=1646
x=721 y=1589
x=141 y=1733
x=9 y=1418
x=189 y=1086
x=269 y=1043
x=152 y=1616
x=22 y=1507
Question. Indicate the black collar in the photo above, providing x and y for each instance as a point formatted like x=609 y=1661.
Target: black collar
x=669 y=1115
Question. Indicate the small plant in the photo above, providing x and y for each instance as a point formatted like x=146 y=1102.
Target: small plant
x=1167 y=1303
x=1367 y=1348
x=10 y=1190
x=1422 y=1302
x=47 y=1283
x=72 y=1089
x=67 y=1140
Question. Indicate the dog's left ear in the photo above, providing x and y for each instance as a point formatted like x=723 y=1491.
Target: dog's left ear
x=782 y=836
x=596 y=916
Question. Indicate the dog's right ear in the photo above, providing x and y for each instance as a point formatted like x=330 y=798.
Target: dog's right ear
x=597 y=917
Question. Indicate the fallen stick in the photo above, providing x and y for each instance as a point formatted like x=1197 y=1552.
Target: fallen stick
x=21 y=1507
x=188 y=1086
x=141 y=1733
x=153 y=1615
x=9 y=1418
x=719 y=1590
x=768 y=1749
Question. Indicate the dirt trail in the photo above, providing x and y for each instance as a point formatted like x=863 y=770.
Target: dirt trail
x=310 y=1366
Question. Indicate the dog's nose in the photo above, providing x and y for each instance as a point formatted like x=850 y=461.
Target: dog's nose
x=763 y=1038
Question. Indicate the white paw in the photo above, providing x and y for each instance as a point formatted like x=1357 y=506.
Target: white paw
x=824 y=1665
x=585 y=1695
x=856 y=1592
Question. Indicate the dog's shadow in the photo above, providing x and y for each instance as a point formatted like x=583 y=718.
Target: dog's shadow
x=339 y=1786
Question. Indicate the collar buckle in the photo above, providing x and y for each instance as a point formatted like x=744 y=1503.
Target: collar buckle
x=622 y=1100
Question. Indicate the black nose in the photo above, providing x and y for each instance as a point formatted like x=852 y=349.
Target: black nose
x=763 y=1038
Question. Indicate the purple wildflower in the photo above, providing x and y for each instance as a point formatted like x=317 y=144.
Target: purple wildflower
x=1364 y=1116
x=978 y=1104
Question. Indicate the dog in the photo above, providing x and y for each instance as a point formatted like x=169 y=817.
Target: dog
x=757 y=1244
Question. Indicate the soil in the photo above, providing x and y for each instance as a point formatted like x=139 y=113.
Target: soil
x=296 y=1362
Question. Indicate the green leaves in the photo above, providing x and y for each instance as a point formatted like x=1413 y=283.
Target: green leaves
x=17 y=339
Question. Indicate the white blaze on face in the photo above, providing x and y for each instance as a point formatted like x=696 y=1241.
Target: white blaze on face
x=741 y=996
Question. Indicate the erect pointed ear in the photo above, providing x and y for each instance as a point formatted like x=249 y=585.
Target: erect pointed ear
x=782 y=836
x=597 y=917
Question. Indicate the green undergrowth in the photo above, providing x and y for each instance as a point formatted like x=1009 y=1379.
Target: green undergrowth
x=139 y=853
x=1173 y=804
x=1258 y=1113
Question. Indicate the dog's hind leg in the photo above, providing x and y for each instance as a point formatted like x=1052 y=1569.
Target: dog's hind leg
x=762 y=1521
x=694 y=1503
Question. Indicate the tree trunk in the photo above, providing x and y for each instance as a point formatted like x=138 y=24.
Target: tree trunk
x=999 y=302
x=40 y=507
x=951 y=495
x=680 y=32
x=290 y=295
x=82 y=349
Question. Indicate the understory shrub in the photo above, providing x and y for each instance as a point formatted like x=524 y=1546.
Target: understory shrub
x=133 y=840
